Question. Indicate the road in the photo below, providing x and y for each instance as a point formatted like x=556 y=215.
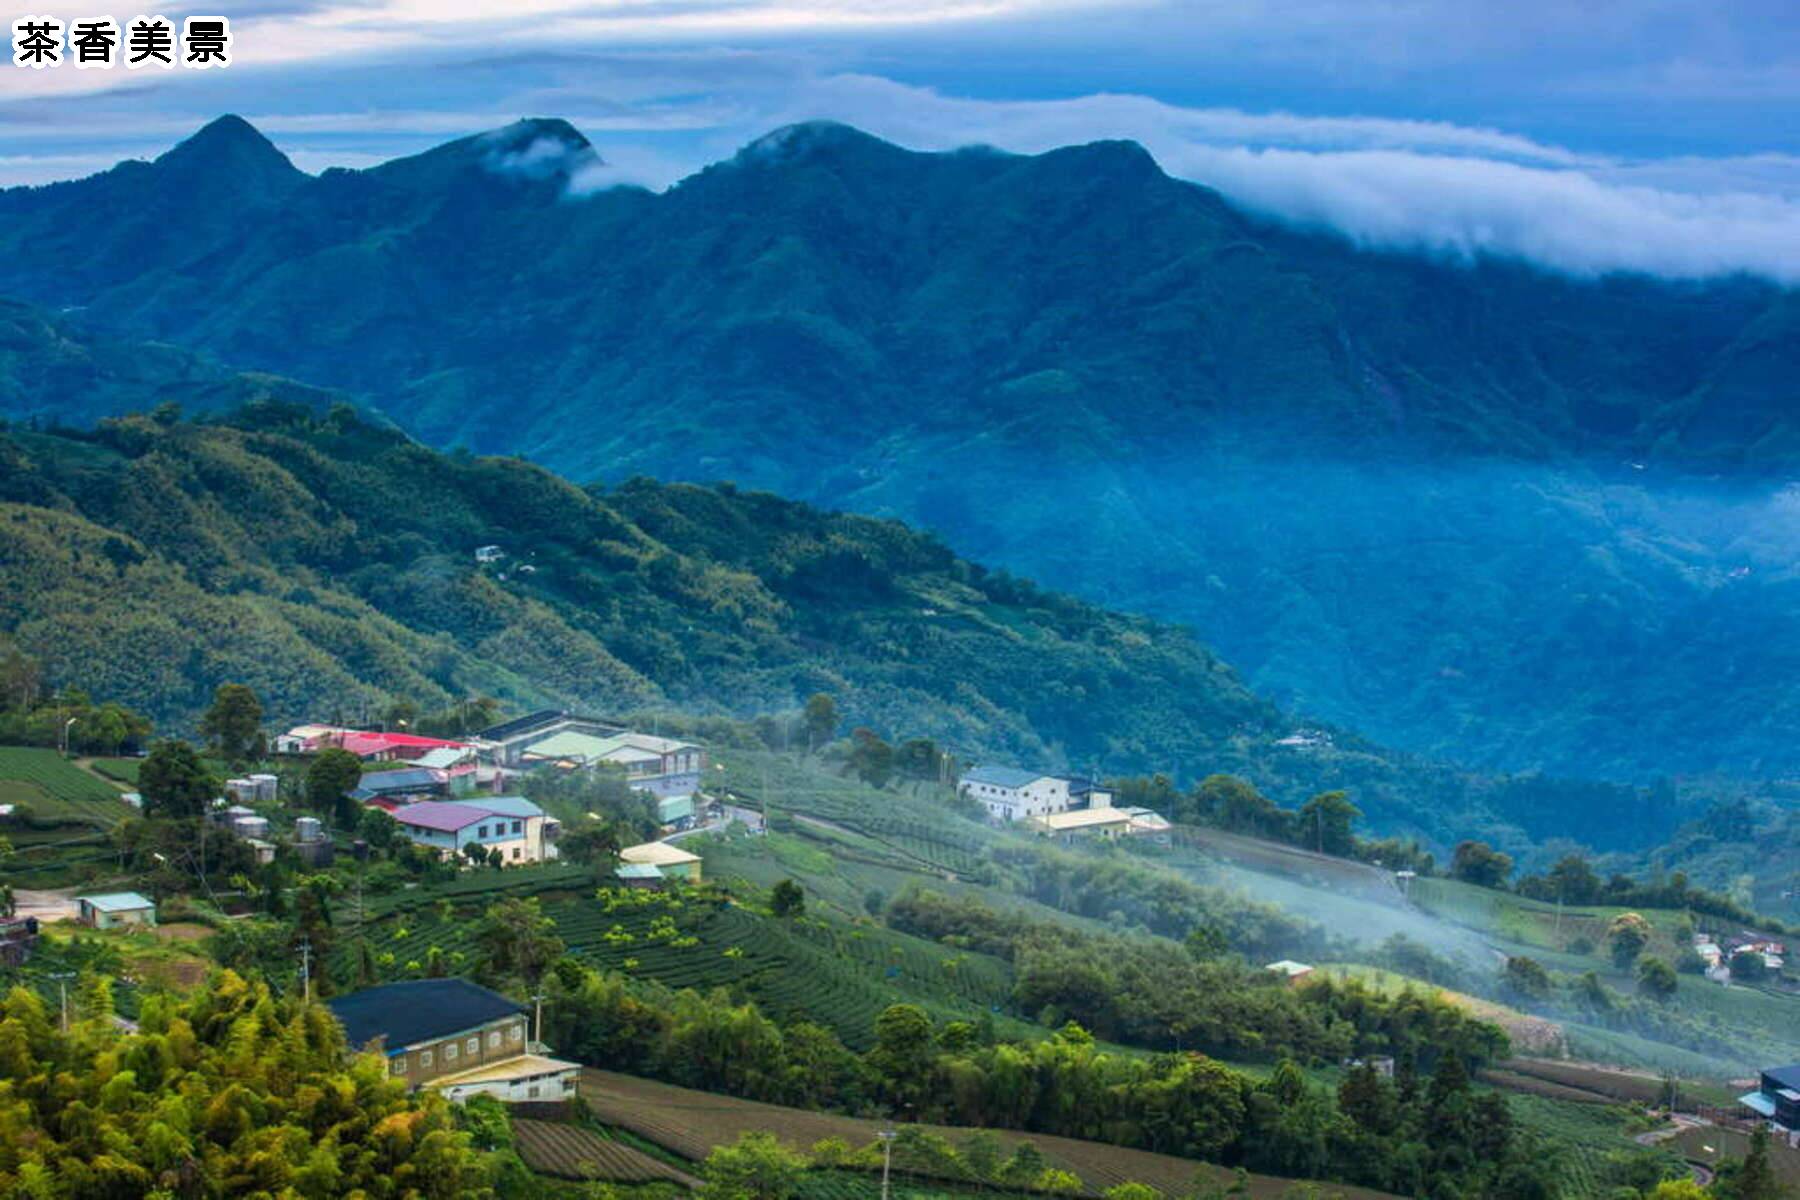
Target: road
x=1680 y=1123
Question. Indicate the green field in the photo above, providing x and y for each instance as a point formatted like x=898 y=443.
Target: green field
x=56 y=790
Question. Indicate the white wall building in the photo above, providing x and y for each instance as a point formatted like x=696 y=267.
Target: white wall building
x=1009 y=794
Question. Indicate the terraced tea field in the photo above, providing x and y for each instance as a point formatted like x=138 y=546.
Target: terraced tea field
x=575 y=1152
x=691 y=1123
x=56 y=790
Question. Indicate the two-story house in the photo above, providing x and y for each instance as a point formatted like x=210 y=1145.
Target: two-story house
x=1010 y=794
x=513 y=825
x=454 y=1037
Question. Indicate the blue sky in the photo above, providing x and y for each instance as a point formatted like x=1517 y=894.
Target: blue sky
x=1647 y=135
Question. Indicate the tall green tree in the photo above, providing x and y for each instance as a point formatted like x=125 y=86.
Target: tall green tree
x=1626 y=937
x=331 y=776
x=821 y=719
x=174 y=782
x=1326 y=823
x=515 y=938
x=1480 y=864
x=233 y=725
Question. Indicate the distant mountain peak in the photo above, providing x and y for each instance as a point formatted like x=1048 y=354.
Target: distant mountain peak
x=804 y=139
x=229 y=142
x=535 y=149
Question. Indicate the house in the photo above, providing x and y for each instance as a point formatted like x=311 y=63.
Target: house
x=1777 y=1097
x=672 y=861
x=1010 y=794
x=401 y=783
x=664 y=767
x=639 y=876
x=512 y=825
x=489 y=554
x=1290 y=970
x=454 y=1037
x=115 y=910
x=304 y=739
x=1108 y=823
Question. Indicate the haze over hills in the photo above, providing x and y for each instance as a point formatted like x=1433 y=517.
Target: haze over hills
x=1475 y=510
x=327 y=563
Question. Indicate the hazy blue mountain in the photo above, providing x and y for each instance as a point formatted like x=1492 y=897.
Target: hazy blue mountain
x=1474 y=510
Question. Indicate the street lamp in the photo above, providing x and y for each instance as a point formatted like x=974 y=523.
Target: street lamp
x=65 y=734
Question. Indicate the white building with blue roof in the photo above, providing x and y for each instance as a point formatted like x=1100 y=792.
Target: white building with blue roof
x=1011 y=794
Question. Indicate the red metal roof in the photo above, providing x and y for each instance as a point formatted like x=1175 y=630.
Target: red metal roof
x=364 y=744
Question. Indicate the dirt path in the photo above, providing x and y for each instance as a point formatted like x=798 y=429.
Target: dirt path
x=52 y=904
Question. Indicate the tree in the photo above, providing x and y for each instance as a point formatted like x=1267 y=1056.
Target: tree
x=1480 y=864
x=592 y=842
x=1749 y=966
x=516 y=938
x=1326 y=822
x=755 y=1167
x=1526 y=977
x=1655 y=978
x=821 y=718
x=1207 y=941
x=870 y=757
x=1626 y=937
x=1755 y=1177
x=787 y=899
x=174 y=782
x=331 y=777
x=233 y=725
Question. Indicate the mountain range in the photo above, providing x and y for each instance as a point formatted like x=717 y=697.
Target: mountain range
x=1474 y=510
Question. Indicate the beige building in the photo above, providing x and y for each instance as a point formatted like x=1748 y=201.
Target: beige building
x=1106 y=823
x=673 y=861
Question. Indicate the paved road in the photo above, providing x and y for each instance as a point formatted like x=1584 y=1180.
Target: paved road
x=1679 y=1123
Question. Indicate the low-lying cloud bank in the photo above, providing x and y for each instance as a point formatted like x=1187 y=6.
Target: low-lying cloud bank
x=1423 y=186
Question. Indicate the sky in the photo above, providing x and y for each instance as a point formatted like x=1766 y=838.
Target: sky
x=1641 y=135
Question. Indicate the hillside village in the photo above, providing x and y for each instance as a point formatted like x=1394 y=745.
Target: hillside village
x=451 y=898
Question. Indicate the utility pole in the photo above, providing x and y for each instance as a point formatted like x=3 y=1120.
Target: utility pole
x=62 y=988
x=537 y=998
x=305 y=971
x=887 y=1157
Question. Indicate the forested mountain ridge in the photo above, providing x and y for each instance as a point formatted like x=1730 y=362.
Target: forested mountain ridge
x=1478 y=511
x=328 y=562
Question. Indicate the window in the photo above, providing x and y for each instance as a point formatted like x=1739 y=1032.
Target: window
x=532 y=1091
x=568 y=1083
x=424 y=1059
x=475 y=1045
x=494 y=1040
x=518 y=826
x=399 y=1064
x=450 y=1049
x=481 y=832
x=517 y=852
